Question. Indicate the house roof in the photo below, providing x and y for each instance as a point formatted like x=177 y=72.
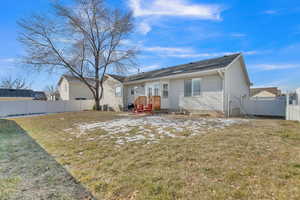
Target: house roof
x=16 y=93
x=204 y=65
x=273 y=90
x=118 y=77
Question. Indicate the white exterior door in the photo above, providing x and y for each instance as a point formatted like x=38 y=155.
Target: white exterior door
x=165 y=87
x=159 y=89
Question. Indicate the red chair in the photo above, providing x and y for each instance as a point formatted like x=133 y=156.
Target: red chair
x=139 y=108
x=149 y=108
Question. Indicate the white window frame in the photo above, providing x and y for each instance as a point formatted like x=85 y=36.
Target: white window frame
x=196 y=79
x=165 y=90
x=132 y=91
x=118 y=93
x=192 y=87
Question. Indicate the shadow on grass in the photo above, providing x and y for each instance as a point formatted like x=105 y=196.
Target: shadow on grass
x=27 y=171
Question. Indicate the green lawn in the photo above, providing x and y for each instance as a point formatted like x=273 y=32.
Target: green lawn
x=259 y=159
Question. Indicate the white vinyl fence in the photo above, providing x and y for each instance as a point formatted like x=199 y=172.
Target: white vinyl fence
x=10 y=108
x=265 y=107
x=293 y=112
x=293 y=107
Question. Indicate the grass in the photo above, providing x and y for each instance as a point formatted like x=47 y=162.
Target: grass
x=255 y=160
x=29 y=172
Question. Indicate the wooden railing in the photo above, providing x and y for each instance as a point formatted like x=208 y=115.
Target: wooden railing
x=141 y=100
x=154 y=100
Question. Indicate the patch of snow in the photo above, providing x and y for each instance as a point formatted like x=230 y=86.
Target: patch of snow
x=131 y=129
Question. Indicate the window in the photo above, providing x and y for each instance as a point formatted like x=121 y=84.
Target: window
x=165 y=90
x=132 y=91
x=196 y=87
x=187 y=88
x=149 y=91
x=192 y=87
x=156 y=89
x=118 y=91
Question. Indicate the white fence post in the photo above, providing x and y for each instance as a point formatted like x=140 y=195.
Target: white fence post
x=287 y=117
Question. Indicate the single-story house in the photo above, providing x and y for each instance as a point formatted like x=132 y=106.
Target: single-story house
x=267 y=92
x=213 y=85
x=15 y=94
x=21 y=94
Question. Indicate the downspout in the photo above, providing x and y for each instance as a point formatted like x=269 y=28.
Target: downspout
x=221 y=74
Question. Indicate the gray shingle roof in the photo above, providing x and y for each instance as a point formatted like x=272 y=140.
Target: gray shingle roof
x=16 y=93
x=209 y=64
x=117 y=77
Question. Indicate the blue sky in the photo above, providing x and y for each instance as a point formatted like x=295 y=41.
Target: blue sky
x=266 y=31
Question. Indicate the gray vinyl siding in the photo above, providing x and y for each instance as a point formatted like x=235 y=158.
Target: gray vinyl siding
x=236 y=88
x=210 y=99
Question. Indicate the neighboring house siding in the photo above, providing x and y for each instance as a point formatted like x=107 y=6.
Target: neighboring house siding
x=109 y=96
x=79 y=90
x=64 y=90
x=298 y=95
x=264 y=94
x=236 y=88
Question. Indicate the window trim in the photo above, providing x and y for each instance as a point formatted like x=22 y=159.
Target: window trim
x=195 y=79
x=192 y=87
x=132 y=92
x=165 y=90
x=118 y=94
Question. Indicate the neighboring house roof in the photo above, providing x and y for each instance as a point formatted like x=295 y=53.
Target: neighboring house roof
x=204 y=65
x=73 y=78
x=16 y=93
x=273 y=90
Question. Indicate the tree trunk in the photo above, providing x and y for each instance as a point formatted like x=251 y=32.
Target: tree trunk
x=97 y=104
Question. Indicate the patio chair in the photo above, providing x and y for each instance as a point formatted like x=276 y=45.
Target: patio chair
x=149 y=108
x=139 y=108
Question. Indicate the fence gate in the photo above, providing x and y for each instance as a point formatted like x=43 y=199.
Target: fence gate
x=293 y=106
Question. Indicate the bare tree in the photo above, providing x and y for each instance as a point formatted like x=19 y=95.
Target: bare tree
x=14 y=83
x=52 y=92
x=51 y=89
x=84 y=39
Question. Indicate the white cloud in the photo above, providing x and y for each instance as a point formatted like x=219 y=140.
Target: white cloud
x=167 y=50
x=152 y=10
x=270 y=12
x=8 y=60
x=144 y=69
x=238 y=35
x=144 y=28
x=150 y=67
x=270 y=67
x=175 y=8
